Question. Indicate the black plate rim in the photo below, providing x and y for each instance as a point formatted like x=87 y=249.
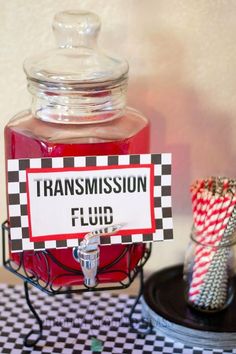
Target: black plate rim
x=148 y=297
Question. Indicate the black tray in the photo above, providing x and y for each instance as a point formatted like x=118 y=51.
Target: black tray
x=164 y=294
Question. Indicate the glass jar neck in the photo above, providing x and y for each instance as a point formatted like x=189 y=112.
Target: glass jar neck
x=78 y=104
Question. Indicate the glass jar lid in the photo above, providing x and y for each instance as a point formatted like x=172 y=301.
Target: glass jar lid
x=76 y=82
x=77 y=61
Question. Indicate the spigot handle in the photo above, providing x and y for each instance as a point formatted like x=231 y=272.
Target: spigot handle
x=87 y=253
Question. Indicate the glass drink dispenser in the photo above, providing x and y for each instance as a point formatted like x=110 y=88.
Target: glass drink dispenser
x=78 y=109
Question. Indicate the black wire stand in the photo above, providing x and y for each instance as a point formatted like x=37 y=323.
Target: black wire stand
x=48 y=286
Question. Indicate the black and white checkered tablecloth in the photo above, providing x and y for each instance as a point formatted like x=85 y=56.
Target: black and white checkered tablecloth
x=71 y=324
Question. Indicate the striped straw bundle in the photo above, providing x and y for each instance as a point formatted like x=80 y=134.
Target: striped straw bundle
x=214 y=219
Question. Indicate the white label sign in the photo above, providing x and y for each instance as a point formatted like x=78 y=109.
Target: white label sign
x=74 y=202
x=54 y=201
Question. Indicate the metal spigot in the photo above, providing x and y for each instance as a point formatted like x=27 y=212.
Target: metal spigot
x=87 y=253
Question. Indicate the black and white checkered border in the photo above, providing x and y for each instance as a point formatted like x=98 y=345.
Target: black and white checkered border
x=69 y=324
x=17 y=198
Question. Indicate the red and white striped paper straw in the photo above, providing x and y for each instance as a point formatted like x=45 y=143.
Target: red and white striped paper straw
x=212 y=208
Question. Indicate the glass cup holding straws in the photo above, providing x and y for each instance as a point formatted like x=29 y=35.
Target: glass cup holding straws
x=209 y=267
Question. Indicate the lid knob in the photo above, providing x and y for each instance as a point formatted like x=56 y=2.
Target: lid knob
x=76 y=29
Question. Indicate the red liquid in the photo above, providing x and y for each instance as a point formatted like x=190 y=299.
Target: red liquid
x=29 y=137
